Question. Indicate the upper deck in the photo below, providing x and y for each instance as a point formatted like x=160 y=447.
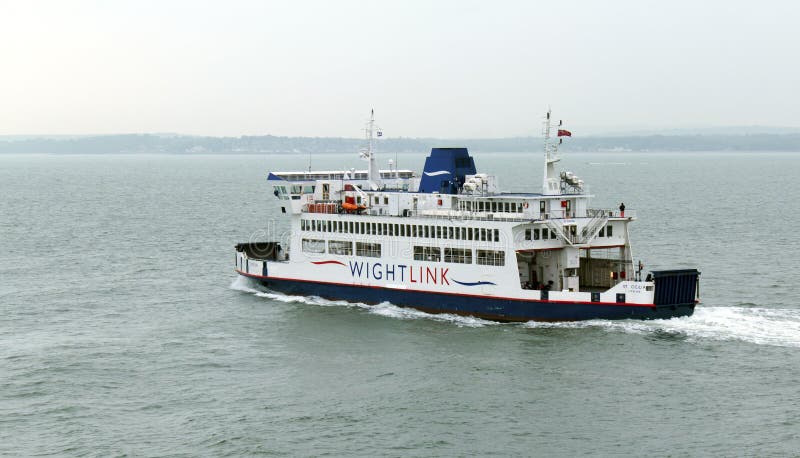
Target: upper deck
x=449 y=188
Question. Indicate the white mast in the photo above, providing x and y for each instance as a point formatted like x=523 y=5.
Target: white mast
x=551 y=182
x=373 y=173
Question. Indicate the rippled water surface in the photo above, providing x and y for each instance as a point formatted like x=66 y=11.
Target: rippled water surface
x=124 y=331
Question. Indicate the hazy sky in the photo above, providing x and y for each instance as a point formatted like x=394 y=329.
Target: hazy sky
x=429 y=68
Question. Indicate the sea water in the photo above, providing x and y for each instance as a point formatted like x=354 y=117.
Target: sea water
x=125 y=332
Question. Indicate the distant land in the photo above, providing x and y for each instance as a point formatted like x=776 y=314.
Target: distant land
x=750 y=139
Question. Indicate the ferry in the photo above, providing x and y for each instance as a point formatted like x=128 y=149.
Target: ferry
x=450 y=241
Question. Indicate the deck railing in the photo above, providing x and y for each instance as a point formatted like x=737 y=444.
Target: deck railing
x=334 y=206
x=592 y=212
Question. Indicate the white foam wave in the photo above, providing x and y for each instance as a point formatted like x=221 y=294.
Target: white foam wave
x=244 y=284
x=763 y=326
x=383 y=309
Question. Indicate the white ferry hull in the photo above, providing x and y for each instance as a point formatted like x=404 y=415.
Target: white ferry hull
x=491 y=308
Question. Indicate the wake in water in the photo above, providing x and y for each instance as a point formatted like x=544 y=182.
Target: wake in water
x=763 y=326
x=383 y=309
x=779 y=327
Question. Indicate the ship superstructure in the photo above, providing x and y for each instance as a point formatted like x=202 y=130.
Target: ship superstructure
x=450 y=241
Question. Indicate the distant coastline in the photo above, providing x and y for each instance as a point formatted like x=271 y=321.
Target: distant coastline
x=269 y=144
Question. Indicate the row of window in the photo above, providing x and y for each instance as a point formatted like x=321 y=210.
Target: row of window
x=342 y=247
x=281 y=191
x=536 y=234
x=421 y=253
x=401 y=230
x=490 y=206
x=459 y=255
x=545 y=234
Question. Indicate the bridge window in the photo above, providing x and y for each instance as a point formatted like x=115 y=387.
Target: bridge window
x=491 y=258
x=280 y=192
x=371 y=250
x=427 y=253
x=313 y=246
x=458 y=255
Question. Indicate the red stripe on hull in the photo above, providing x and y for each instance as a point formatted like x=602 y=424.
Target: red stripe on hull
x=319 y=263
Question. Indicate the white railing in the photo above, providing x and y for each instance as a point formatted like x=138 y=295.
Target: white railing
x=592 y=212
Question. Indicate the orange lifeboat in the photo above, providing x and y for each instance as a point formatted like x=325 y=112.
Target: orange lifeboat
x=352 y=207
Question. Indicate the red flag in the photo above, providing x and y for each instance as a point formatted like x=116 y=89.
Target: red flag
x=564 y=133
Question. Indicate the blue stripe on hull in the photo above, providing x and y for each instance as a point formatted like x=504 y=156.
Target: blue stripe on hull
x=482 y=307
